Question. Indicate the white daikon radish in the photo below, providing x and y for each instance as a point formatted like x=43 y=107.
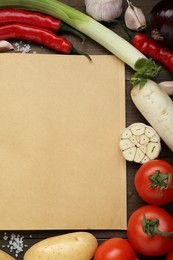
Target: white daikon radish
x=157 y=108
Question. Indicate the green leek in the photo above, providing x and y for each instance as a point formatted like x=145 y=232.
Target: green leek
x=85 y=24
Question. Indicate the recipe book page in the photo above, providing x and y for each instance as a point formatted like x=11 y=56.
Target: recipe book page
x=60 y=123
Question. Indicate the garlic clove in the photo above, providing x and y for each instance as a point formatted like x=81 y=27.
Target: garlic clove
x=104 y=10
x=134 y=18
x=5 y=46
x=167 y=86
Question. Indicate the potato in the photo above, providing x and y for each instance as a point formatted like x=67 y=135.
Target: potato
x=71 y=246
x=5 y=256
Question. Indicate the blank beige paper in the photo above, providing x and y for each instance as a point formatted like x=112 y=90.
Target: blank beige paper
x=60 y=124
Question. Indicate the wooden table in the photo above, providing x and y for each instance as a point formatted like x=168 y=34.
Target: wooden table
x=133 y=115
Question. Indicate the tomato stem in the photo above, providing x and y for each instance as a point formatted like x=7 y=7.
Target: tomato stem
x=160 y=181
x=151 y=228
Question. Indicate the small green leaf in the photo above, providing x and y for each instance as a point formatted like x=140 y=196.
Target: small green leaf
x=147 y=69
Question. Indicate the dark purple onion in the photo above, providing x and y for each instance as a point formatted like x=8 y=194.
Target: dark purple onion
x=161 y=22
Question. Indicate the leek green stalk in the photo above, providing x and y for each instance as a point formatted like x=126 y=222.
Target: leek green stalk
x=85 y=24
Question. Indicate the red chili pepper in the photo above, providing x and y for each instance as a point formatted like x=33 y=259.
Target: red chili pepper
x=154 y=50
x=150 y=47
x=9 y=15
x=39 y=35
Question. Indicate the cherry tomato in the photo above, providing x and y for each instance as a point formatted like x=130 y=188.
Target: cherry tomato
x=115 y=249
x=170 y=255
x=154 y=182
x=146 y=229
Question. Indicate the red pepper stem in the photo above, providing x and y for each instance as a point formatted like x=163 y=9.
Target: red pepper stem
x=66 y=28
x=76 y=51
x=151 y=228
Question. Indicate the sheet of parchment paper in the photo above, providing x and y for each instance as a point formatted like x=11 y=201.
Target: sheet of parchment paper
x=60 y=122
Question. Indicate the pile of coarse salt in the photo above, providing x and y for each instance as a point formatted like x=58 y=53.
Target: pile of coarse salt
x=23 y=47
x=14 y=243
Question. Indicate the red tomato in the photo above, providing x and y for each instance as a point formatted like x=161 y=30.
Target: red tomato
x=157 y=244
x=115 y=249
x=170 y=255
x=160 y=190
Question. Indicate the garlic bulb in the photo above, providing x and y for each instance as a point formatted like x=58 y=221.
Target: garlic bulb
x=140 y=143
x=104 y=10
x=134 y=18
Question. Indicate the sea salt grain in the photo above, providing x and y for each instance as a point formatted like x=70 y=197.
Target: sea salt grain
x=5 y=236
x=22 y=47
x=15 y=243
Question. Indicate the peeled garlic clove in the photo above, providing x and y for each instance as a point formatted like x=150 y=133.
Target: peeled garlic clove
x=134 y=18
x=140 y=143
x=104 y=10
x=5 y=46
x=167 y=86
